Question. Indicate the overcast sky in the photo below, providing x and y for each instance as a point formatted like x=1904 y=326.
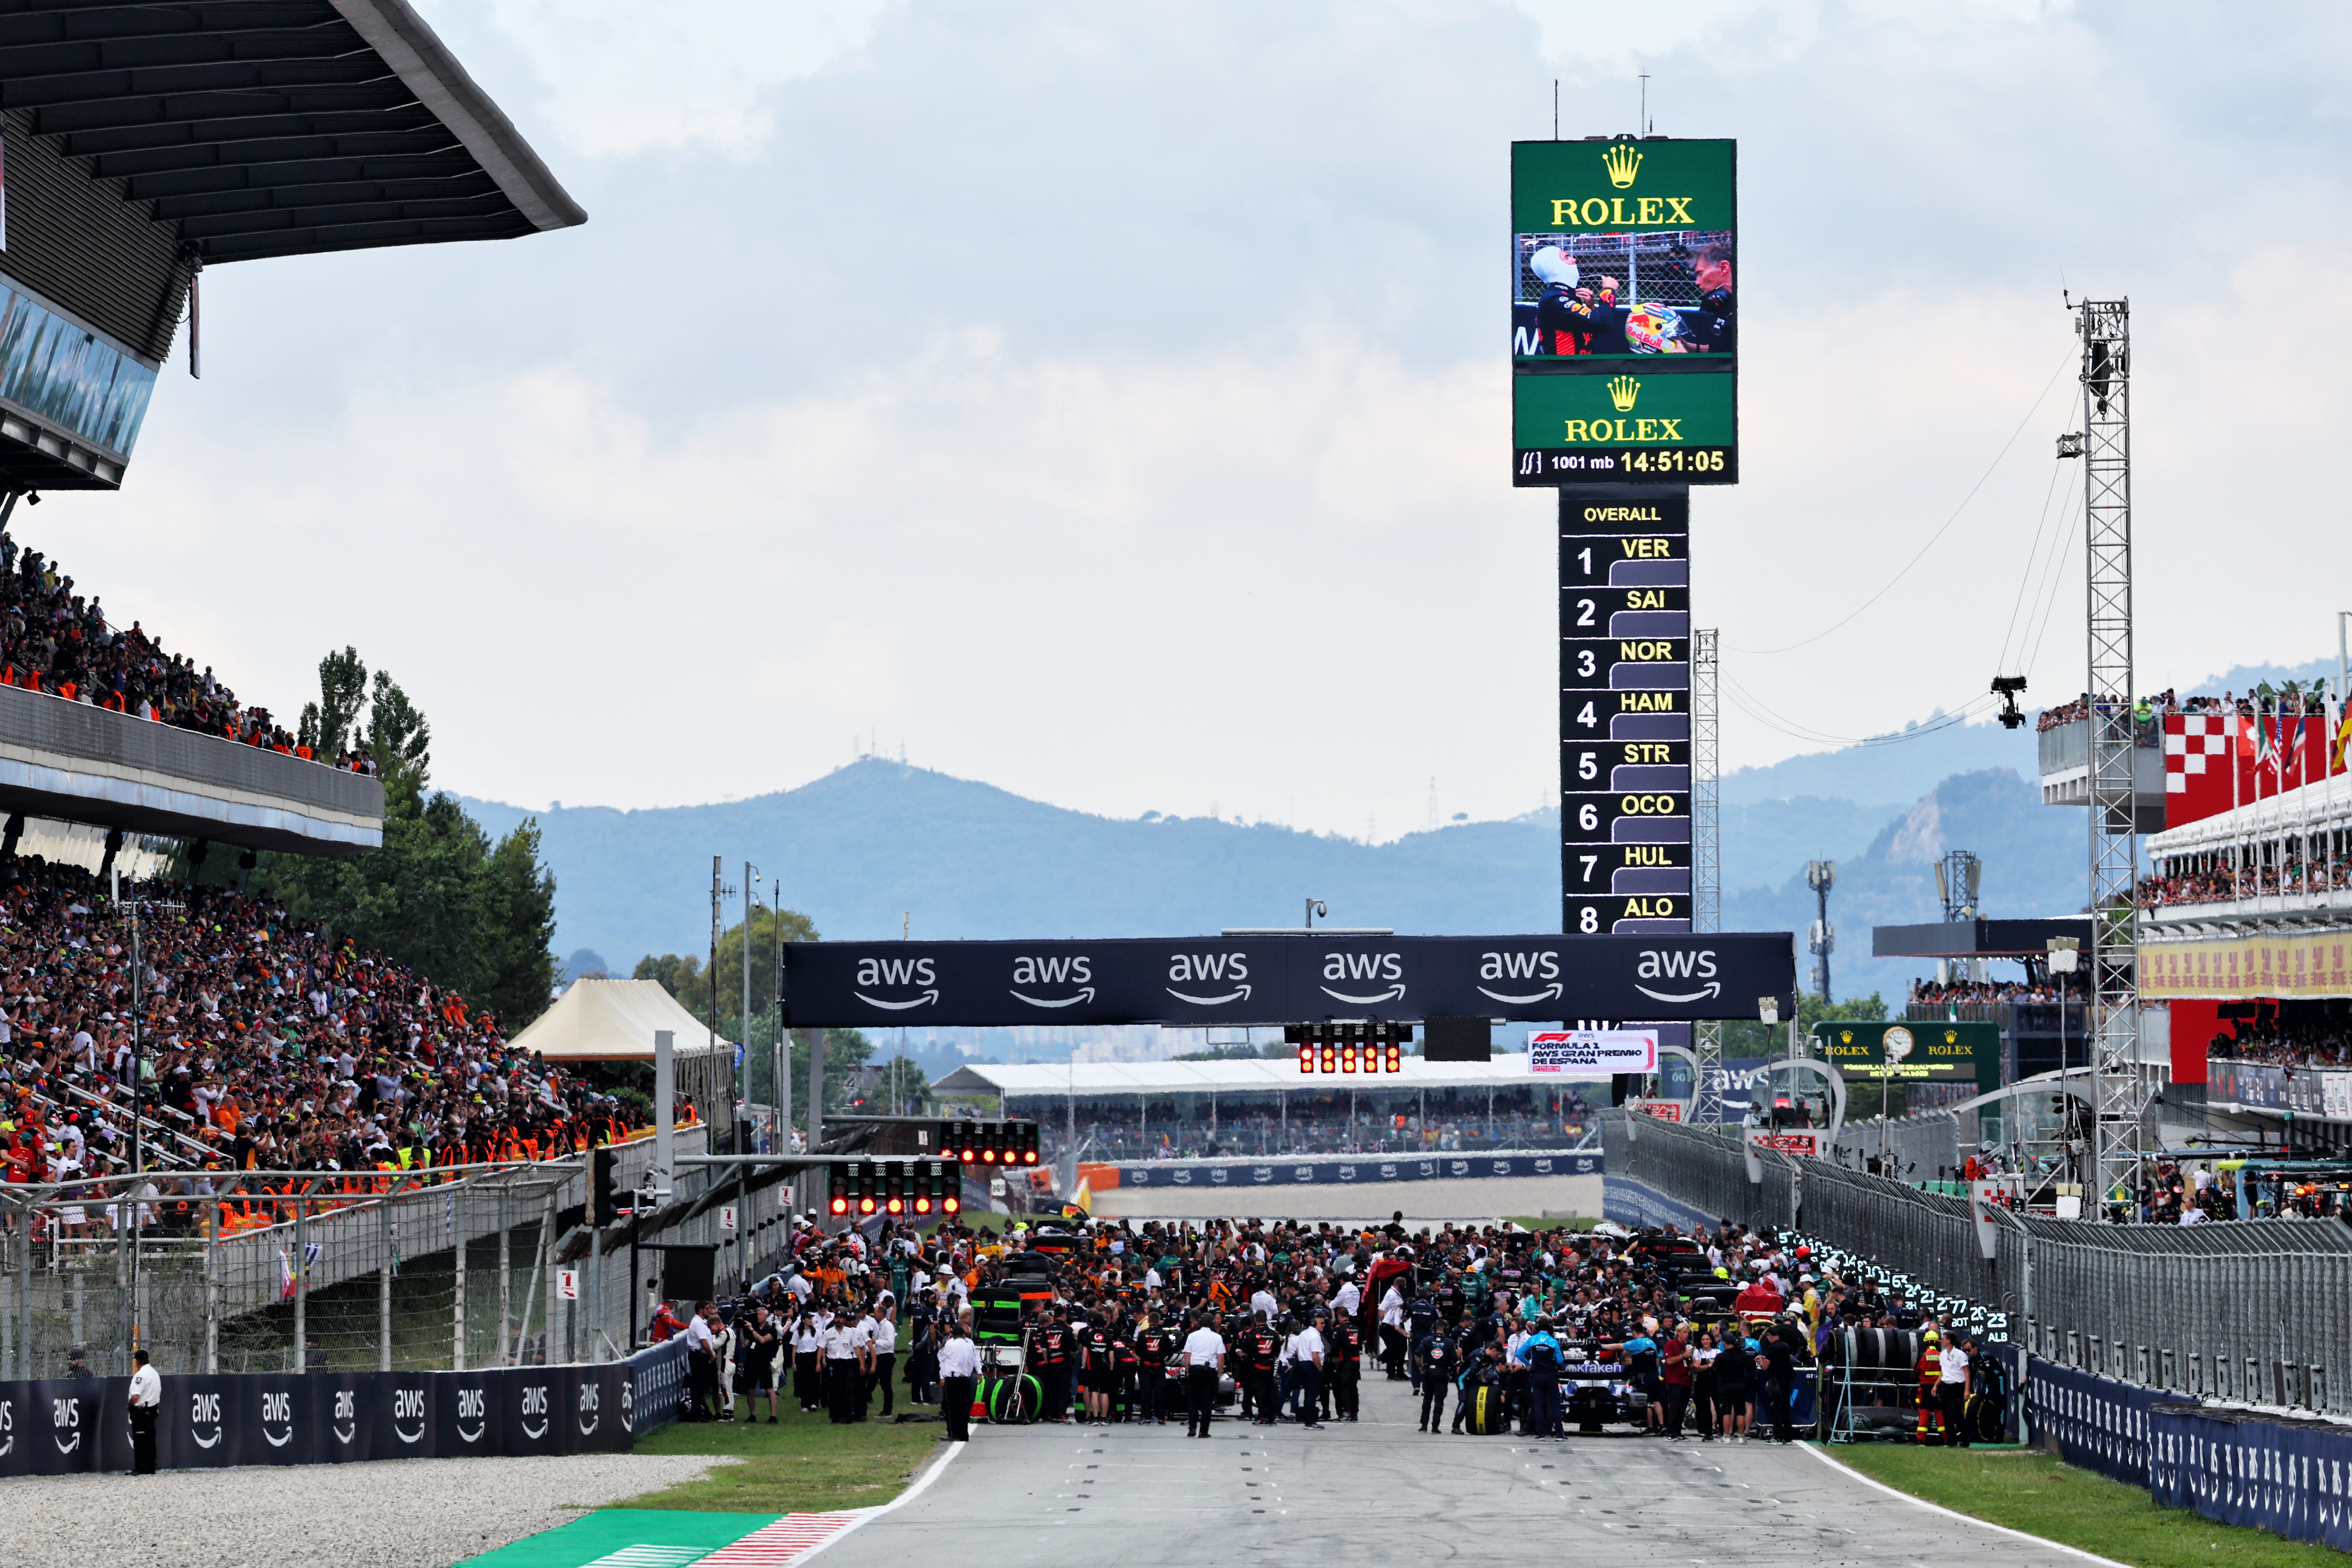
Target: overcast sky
x=1110 y=402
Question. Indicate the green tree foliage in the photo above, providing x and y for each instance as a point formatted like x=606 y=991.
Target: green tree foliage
x=469 y=915
x=684 y=976
x=329 y=725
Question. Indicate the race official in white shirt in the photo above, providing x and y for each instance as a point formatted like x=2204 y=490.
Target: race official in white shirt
x=1205 y=1360
x=959 y=1371
x=146 y=1404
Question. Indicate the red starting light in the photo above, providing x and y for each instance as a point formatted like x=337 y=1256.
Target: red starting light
x=1306 y=1058
x=1396 y=1058
x=922 y=1206
x=840 y=1204
x=1330 y=1058
x=1347 y=1058
x=950 y=1204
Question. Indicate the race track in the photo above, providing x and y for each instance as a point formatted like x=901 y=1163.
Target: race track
x=1380 y=1492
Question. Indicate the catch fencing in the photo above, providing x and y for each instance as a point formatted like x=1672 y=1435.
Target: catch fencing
x=242 y=1272
x=2250 y=1310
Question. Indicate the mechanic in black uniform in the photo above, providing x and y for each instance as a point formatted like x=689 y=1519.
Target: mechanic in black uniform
x=1051 y=1340
x=1421 y=1321
x=1153 y=1346
x=1345 y=1367
x=1262 y=1343
x=1096 y=1367
x=1435 y=1360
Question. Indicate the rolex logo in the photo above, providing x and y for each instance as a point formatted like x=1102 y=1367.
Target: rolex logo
x=1623 y=162
x=1623 y=390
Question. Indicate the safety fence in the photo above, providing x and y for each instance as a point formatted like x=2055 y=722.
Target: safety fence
x=243 y=1272
x=2248 y=1310
x=68 y=1426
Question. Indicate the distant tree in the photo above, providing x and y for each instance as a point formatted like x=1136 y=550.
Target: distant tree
x=439 y=897
x=327 y=725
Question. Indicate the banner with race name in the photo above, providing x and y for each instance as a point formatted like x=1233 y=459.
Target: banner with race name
x=1329 y=1170
x=1590 y=1053
x=55 y=1426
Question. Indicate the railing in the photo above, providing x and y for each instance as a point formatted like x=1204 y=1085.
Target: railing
x=2250 y=1310
x=317 y=1271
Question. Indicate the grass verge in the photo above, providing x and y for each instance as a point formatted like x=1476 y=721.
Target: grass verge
x=2034 y=1492
x=1537 y=1222
x=805 y=1463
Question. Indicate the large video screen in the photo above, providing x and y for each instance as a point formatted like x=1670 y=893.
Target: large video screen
x=1623 y=249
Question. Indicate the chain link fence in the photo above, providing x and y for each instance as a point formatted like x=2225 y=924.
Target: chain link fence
x=2251 y=1310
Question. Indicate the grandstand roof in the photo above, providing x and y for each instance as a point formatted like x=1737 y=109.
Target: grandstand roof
x=1094 y=1080
x=1976 y=938
x=258 y=128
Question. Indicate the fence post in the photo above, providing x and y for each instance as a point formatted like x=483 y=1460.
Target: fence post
x=505 y=1268
x=457 y=1292
x=302 y=1284
x=212 y=1285
x=384 y=1231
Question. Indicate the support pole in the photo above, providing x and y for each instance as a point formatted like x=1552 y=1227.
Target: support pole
x=302 y=1284
x=457 y=1283
x=1707 y=853
x=385 y=1242
x=506 y=1267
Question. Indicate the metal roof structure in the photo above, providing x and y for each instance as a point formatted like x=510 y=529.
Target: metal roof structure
x=1265 y=1074
x=1976 y=938
x=258 y=128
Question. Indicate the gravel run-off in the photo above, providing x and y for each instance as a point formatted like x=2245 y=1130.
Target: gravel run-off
x=392 y=1513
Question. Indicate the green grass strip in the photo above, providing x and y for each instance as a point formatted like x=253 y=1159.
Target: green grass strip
x=805 y=1463
x=2033 y=1492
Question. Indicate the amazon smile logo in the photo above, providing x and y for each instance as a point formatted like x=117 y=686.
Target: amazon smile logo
x=1207 y=972
x=1691 y=973
x=1525 y=972
x=1363 y=969
x=894 y=974
x=1053 y=973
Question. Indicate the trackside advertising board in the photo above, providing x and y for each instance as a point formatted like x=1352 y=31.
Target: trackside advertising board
x=1591 y=1053
x=1917 y=1052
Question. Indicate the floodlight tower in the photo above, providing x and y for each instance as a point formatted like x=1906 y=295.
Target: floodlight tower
x=1821 y=876
x=1707 y=854
x=2120 y=1088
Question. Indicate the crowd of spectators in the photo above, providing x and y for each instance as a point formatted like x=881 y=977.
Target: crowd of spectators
x=2150 y=710
x=270 y=1047
x=1251 y=1130
x=1963 y=993
x=2322 y=1042
x=2295 y=875
x=52 y=639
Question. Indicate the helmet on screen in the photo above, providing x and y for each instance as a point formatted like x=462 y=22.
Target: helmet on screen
x=1555 y=265
x=1653 y=329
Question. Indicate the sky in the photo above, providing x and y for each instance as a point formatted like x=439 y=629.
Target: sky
x=1110 y=402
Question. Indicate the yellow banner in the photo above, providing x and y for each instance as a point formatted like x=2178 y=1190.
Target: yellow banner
x=2317 y=963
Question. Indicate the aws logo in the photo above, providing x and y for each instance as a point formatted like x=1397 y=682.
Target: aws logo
x=1364 y=969
x=1531 y=970
x=1205 y=971
x=277 y=1416
x=1039 y=974
x=1690 y=967
x=893 y=973
x=205 y=1415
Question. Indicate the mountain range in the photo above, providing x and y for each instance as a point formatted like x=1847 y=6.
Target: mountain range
x=876 y=848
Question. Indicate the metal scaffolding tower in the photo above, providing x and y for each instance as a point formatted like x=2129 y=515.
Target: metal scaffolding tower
x=1706 y=851
x=1821 y=876
x=1707 y=854
x=2120 y=1088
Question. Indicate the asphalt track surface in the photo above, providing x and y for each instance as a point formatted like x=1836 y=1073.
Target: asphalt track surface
x=1377 y=1491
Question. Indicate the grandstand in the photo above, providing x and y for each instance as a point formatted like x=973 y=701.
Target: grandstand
x=143 y=144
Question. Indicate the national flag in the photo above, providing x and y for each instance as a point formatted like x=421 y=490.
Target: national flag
x=2343 y=740
x=285 y=1276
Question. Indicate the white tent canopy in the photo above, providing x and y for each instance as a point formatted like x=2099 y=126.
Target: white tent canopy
x=1094 y=1080
x=616 y=1021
